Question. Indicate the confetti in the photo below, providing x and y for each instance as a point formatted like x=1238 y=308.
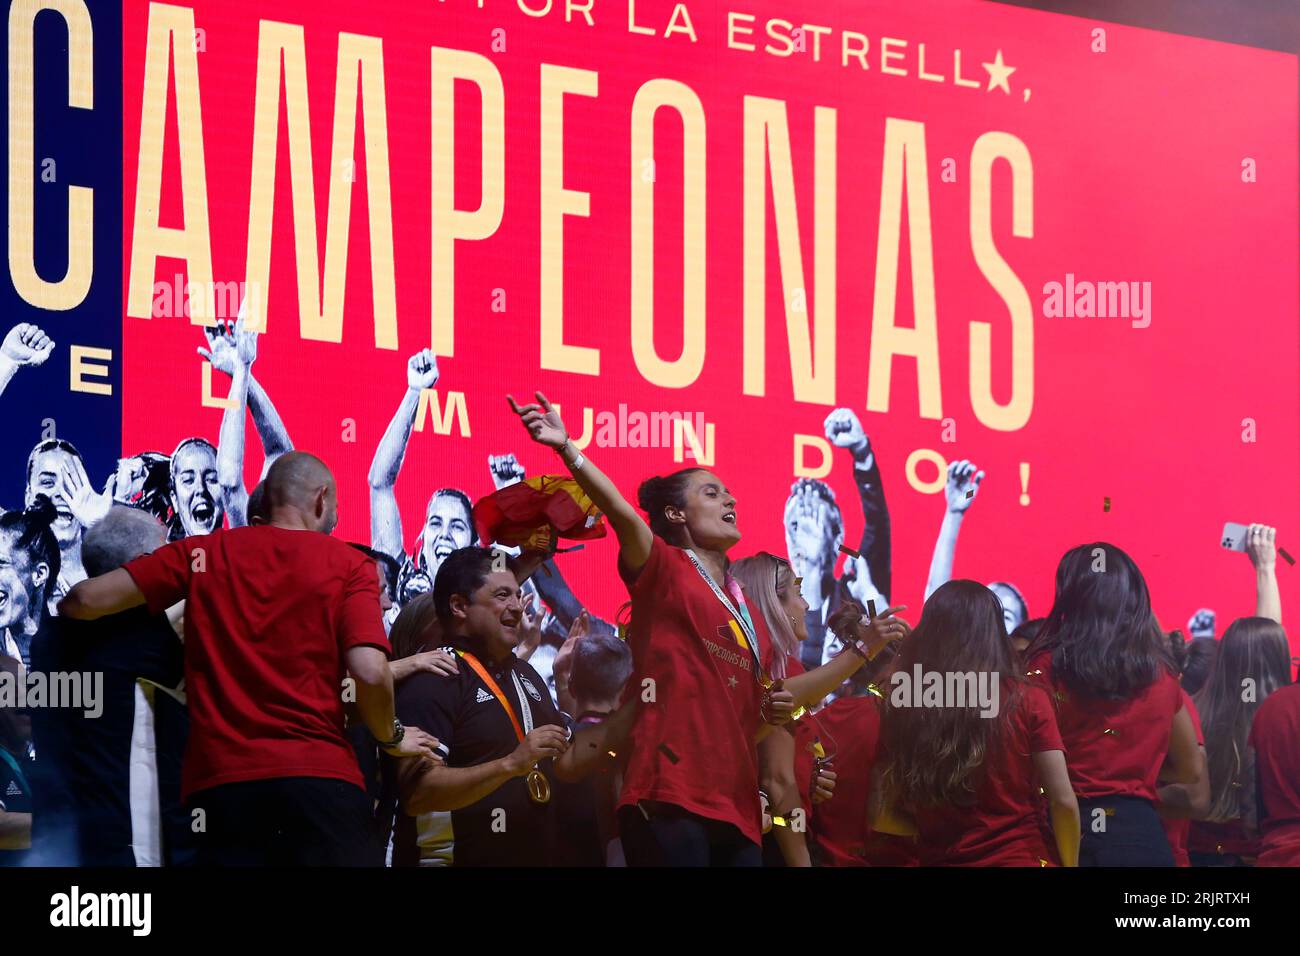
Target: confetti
x=664 y=749
x=871 y=608
x=1106 y=505
x=576 y=547
x=1109 y=732
x=1289 y=559
x=970 y=494
x=845 y=549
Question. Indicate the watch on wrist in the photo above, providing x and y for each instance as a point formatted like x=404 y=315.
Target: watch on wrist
x=398 y=733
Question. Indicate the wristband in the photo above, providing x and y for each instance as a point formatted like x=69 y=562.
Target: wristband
x=578 y=458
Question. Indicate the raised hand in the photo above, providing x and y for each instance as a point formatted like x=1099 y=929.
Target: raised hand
x=87 y=506
x=963 y=485
x=542 y=421
x=530 y=630
x=562 y=666
x=810 y=506
x=26 y=345
x=845 y=430
x=245 y=341
x=422 y=370
x=505 y=469
x=228 y=347
x=1261 y=545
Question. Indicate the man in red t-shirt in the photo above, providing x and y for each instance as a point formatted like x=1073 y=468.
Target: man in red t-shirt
x=276 y=615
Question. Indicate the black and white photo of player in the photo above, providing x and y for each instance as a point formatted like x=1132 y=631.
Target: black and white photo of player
x=448 y=517
x=55 y=470
x=814 y=532
x=24 y=346
x=143 y=481
x=959 y=493
x=29 y=567
x=197 y=500
x=232 y=350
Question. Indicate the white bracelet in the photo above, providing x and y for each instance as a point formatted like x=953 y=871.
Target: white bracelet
x=579 y=459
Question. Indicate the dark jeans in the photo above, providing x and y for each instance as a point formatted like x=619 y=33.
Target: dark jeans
x=676 y=837
x=286 y=821
x=1133 y=835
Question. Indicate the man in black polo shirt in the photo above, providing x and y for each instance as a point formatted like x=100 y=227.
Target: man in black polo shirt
x=107 y=781
x=496 y=721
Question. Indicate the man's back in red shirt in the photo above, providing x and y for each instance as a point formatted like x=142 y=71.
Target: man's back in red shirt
x=270 y=615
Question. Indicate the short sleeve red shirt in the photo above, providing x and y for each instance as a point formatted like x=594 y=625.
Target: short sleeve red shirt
x=849 y=730
x=692 y=745
x=1113 y=747
x=269 y=615
x=1273 y=735
x=1177 y=830
x=1002 y=827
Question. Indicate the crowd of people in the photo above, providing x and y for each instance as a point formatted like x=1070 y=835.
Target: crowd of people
x=270 y=694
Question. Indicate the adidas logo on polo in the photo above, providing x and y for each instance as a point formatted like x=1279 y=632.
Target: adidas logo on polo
x=482 y=696
x=13 y=790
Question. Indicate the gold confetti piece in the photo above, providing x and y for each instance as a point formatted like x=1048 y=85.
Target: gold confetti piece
x=845 y=549
x=1110 y=733
x=1106 y=505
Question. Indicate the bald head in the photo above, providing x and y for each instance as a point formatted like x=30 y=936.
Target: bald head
x=299 y=492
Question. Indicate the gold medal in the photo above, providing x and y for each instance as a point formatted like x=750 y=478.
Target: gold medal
x=539 y=788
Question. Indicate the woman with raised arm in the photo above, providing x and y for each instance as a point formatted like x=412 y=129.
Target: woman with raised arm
x=1254 y=662
x=690 y=790
x=789 y=772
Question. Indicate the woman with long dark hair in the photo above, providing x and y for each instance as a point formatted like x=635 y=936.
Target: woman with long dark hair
x=963 y=776
x=1121 y=716
x=790 y=773
x=690 y=791
x=29 y=570
x=1254 y=661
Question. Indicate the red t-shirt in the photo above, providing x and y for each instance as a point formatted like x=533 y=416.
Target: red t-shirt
x=707 y=696
x=1273 y=734
x=849 y=729
x=805 y=739
x=269 y=615
x=1002 y=827
x=1113 y=747
x=1177 y=830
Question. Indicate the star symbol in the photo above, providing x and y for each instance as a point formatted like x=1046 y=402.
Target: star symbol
x=998 y=73
x=732 y=681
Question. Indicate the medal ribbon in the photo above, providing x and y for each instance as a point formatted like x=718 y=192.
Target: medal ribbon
x=486 y=678
x=740 y=624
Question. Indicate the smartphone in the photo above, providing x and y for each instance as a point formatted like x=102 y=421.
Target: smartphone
x=1234 y=536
